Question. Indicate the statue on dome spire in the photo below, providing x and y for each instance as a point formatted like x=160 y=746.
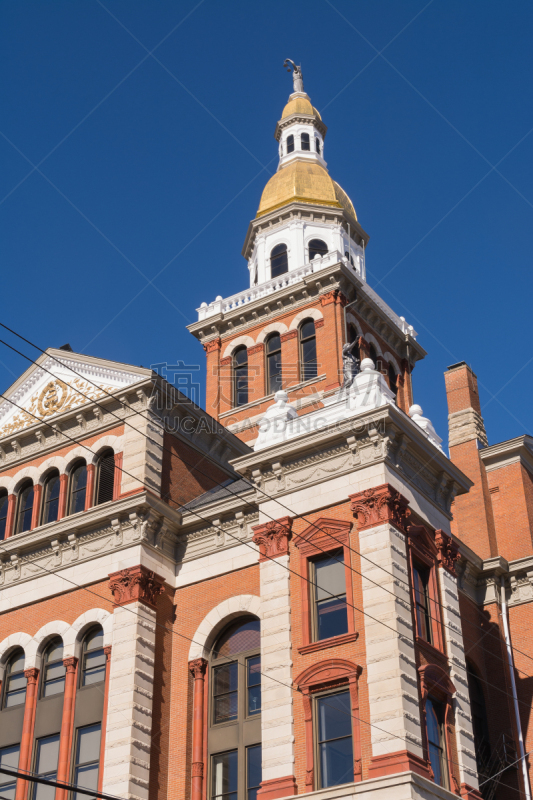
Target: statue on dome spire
x=297 y=79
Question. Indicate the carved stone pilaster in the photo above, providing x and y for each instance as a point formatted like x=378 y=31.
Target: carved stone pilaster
x=273 y=538
x=379 y=505
x=135 y=584
x=448 y=551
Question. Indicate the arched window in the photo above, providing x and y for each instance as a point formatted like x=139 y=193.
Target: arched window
x=78 y=488
x=105 y=477
x=53 y=672
x=308 y=365
x=349 y=257
x=436 y=738
x=51 y=498
x=234 y=740
x=393 y=380
x=273 y=355
x=93 y=657
x=479 y=723
x=279 y=262
x=4 y=502
x=317 y=248
x=24 y=507
x=306 y=144
x=317 y=144
x=240 y=376
x=290 y=144
x=15 y=680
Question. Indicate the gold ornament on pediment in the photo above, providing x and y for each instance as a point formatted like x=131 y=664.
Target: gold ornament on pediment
x=52 y=399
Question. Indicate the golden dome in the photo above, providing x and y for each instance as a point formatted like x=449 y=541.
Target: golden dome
x=300 y=105
x=303 y=182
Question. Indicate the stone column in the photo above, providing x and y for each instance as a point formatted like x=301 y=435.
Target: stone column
x=290 y=368
x=131 y=679
x=26 y=740
x=36 y=512
x=451 y=618
x=62 y=506
x=391 y=673
x=277 y=720
x=198 y=668
x=10 y=520
x=65 y=739
x=89 y=492
x=117 y=476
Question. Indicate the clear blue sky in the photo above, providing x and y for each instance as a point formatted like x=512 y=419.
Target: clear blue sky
x=151 y=170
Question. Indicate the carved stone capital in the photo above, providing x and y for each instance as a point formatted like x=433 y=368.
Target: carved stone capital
x=70 y=664
x=273 y=538
x=448 y=551
x=198 y=668
x=135 y=584
x=379 y=505
x=32 y=674
x=198 y=769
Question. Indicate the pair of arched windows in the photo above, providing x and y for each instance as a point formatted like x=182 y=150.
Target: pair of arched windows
x=305 y=143
x=76 y=494
x=279 y=260
x=52 y=674
x=308 y=367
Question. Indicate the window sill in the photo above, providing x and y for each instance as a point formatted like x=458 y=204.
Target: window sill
x=323 y=644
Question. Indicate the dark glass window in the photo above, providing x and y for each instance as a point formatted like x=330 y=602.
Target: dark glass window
x=349 y=257
x=78 y=488
x=238 y=638
x=94 y=658
x=240 y=376
x=54 y=669
x=317 y=145
x=308 y=369
x=479 y=724
x=317 y=248
x=253 y=688
x=335 y=746
x=105 y=480
x=51 y=498
x=279 y=262
x=25 y=508
x=15 y=681
x=290 y=144
x=392 y=380
x=374 y=356
x=421 y=577
x=87 y=759
x=225 y=693
x=253 y=771
x=46 y=758
x=437 y=741
x=273 y=349
x=329 y=587
x=225 y=776
x=9 y=759
x=306 y=144
x=4 y=502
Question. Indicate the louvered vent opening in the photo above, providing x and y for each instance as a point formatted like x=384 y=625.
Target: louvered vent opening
x=106 y=478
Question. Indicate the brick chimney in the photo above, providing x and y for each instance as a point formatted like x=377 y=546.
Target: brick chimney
x=473 y=518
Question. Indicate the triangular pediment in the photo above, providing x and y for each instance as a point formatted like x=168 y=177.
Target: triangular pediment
x=61 y=381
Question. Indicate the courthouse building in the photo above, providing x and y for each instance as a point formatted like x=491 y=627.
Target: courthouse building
x=296 y=591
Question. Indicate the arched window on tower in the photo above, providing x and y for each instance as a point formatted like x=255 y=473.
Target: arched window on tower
x=308 y=365
x=234 y=738
x=317 y=248
x=273 y=355
x=393 y=380
x=51 y=498
x=4 y=502
x=349 y=256
x=290 y=144
x=25 y=507
x=105 y=477
x=240 y=376
x=306 y=143
x=78 y=487
x=53 y=672
x=317 y=144
x=279 y=262
x=14 y=684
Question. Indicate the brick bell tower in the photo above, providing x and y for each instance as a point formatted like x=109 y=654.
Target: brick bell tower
x=307 y=296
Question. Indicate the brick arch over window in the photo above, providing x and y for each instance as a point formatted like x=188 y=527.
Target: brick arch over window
x=9 y=644
x=217 y=618
x=73 y=637
x=39 y=642
x=247 y=341
x=274 y=327
x=31 y=473
x=332 y=673
x=308 y=313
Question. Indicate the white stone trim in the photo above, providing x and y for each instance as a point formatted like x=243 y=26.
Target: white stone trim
x=246 y=340
x=39 y=642
x=274 y=327
x=115 y=442
x=75 y=454
x=9 y=644
x=391 y=360
x=313 y=313
x=73 y=638
x=218 y=617
x=22 y=475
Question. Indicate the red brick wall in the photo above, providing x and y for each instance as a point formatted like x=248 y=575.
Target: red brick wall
x=510 y=504
x=186 y=474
